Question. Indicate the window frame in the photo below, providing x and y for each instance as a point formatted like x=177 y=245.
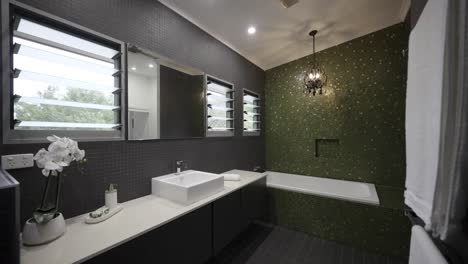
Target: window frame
x=251 y=133
x=223 y=133
x=12 y=136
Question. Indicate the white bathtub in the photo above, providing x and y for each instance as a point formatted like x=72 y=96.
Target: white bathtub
x=339 y=189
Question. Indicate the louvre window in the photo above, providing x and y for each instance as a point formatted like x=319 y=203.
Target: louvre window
x=62 y=81
x=220 y=108
x=251 y=113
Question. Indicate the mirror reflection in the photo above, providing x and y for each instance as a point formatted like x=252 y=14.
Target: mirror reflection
x=165 y=99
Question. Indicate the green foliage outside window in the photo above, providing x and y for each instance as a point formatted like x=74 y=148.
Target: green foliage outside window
x=53 y=113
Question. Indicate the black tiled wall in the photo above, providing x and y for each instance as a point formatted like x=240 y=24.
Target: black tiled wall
x=151 y=25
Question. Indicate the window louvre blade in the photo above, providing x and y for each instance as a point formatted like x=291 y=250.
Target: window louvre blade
x=16 y=73
x=16 y=48
x=57 y=56
x=219 y=118
x=64 y=39
x=61 y=46
x=33 y=100
x=220 y=108
x=55 y=80
x=16 y=98
x=251 y=105
x=65 y=125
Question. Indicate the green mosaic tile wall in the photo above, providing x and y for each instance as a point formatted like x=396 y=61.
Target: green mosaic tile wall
x=381 y=230
x=364 y=108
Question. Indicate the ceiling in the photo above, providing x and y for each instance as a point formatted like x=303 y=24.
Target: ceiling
x=282 y=34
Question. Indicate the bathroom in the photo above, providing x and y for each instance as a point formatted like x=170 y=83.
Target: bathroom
x=202 y=131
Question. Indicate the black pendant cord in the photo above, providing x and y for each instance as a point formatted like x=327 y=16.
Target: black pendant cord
x=313 y=41
x=313 y=50
x=313 y=33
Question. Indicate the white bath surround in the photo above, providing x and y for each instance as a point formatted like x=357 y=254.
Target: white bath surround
x=360 y=192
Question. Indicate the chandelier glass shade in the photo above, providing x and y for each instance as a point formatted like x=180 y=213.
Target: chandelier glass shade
x=315 y=79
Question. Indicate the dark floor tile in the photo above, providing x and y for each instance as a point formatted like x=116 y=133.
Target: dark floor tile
x=391 y=260
x=261 y=244
x=275 y=248
x=244 y=246
x=358 y=257
x=306 y=252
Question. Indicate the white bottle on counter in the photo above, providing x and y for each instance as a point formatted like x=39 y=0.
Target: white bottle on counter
x=111 y=196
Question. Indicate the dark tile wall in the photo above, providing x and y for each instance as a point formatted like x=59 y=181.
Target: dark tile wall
x=151 y=25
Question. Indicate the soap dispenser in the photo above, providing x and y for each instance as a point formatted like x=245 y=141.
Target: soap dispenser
x=110 y=208
x=111 y=196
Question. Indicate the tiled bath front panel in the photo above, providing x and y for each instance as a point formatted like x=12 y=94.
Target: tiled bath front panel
x=382 y=230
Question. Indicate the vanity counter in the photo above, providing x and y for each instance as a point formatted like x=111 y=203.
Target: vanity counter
x=84 y=241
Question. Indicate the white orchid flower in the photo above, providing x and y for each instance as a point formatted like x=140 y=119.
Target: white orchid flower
x=41 y=158
x=60 y=153
x=79 y=154
x=51 y=166
x=45 y=172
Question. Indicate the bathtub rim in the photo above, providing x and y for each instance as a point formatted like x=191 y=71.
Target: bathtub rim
x=373 y=199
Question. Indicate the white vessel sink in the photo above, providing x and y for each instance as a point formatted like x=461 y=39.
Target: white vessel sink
x=188 y=186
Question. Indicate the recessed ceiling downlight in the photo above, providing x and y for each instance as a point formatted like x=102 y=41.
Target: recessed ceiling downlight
x=251 y=30
x=133 y=68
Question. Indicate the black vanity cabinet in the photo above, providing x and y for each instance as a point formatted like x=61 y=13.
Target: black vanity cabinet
x=184 y=240
x=227 y=220
x=254 y=201
x=196 y=237
x=234 y=212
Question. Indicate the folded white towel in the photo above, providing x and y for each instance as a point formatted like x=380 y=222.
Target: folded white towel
x=231 y=177
x=422 y=249
x=424 y=107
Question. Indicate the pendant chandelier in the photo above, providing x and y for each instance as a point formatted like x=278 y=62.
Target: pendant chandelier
x=315 y=79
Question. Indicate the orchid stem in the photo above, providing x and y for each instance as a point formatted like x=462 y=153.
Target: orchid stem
x=59 y=188
x=44 y=194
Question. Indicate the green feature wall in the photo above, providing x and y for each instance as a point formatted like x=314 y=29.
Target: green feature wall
x=361 y=114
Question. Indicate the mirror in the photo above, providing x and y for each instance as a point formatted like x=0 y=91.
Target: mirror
x=166 y=100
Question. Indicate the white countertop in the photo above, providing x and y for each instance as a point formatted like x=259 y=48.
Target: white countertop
x=84 y=241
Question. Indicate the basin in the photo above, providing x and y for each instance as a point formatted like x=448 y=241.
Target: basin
x=188 y=186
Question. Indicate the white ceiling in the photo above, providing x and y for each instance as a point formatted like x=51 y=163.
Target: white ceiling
x=282 y=34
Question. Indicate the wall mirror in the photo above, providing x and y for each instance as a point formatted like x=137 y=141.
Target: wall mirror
x=166 y=100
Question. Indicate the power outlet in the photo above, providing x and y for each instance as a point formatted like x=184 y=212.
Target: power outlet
x=17 y=161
